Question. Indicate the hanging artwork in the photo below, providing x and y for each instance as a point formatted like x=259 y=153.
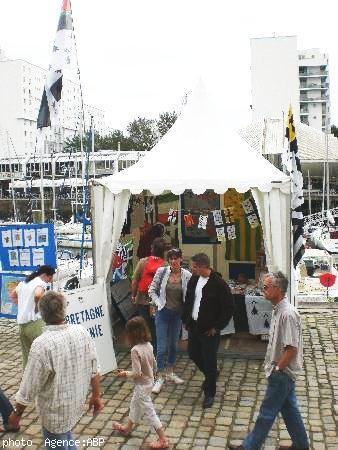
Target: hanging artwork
x=218 y=219
x=202 y=221
x=149 y=208
x=188 y=220
x=122 y=265
x=247 y=206
x=220 y=234
x=172 y=215
x=197 y=205
x=253 y=220
x=231 y=230
x=229 y=215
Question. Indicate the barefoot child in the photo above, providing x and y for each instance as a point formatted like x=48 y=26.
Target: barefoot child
x=142 y=359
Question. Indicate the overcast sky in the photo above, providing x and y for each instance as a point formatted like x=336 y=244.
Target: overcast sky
x=139 y=57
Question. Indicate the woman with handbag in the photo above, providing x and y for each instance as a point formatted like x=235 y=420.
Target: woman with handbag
x=167 y=292
x=143 y=276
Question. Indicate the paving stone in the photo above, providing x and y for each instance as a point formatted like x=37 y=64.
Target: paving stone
x=240 y=390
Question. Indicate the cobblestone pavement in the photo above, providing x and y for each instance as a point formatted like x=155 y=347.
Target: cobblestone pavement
x=240 y=389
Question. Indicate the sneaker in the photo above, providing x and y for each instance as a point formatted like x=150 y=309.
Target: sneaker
x=158 y=385
x=174 y=378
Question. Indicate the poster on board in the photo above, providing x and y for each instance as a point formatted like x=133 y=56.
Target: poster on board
x=87 y=306
x=8 y=281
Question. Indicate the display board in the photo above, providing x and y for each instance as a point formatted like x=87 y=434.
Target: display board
x=87 y=306
x=26 y=247
x=8 y=281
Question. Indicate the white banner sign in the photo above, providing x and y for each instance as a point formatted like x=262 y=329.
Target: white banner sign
x=87 y=306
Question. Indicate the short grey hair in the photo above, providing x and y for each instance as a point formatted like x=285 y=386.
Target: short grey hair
x=279 y=280
x=201 y=260
x=52 y=307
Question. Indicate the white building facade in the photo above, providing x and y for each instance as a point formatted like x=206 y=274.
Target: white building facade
x=21 y=87
x=274 y=77
x=281 y=75
x=314 y=88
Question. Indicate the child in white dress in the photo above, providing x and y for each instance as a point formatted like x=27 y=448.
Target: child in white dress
x=143 y=363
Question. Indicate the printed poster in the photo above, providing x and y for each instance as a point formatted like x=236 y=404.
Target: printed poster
x=6 y=237
x=25 y=257
x=8 y=283
x=29 y=235
x=17 y=239
x=42 y=237
x=13 y=256
x=38 y=256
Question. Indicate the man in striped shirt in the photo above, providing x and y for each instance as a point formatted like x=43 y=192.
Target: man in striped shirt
x=62 y=363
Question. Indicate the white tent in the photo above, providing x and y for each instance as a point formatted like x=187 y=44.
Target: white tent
x=199 y=152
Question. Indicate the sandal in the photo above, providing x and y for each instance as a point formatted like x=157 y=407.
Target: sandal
x=160 y=443
x=121 y=429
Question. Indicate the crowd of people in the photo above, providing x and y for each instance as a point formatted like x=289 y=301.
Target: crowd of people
x=170 y=300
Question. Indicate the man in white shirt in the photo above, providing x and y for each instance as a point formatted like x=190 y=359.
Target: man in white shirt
x=207 y=309
x=283 y=362
x=62 y=363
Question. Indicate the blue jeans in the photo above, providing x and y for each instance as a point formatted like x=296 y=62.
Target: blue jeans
x=168 y=326
x=66 y=440
x=5 y=408
x=280 y=397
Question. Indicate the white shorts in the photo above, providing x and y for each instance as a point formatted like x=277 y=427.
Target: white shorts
x=141 y=405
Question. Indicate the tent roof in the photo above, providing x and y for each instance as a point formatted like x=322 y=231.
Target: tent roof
x=199 y=152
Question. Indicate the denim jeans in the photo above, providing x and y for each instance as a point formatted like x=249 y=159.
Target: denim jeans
x=202 y=350
x=65 y=440
x=279 y=397
x=144 y=311
x=5 y=408
x=168 y=326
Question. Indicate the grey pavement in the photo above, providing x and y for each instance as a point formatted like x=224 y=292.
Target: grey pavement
x=240 y=389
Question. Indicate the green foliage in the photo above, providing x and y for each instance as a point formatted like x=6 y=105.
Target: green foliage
x=334 y=130
x=165 y=122
x=142 y=134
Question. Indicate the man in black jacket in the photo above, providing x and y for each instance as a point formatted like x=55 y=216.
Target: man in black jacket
x=207 y=309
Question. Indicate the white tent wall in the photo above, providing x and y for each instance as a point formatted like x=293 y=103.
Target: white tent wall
x=274 y=212
x=109 y=212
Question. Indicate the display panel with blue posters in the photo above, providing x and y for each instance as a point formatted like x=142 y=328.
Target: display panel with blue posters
x=24 y=248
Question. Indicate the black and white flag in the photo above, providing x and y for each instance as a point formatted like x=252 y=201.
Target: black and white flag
x=297 y=199
x=61 y=58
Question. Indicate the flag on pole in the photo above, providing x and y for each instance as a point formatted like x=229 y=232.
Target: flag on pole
x=61 y=58
x=297 y=198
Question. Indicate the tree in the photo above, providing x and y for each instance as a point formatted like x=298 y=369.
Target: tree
x=334 y=130
x=165 y=122
x=143 y=133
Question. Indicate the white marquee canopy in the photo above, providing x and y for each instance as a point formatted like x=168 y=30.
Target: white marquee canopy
x=199 y=152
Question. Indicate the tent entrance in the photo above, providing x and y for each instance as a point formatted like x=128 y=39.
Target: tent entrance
x=193 y=222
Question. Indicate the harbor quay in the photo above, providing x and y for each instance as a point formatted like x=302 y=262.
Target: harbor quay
x=240 y=389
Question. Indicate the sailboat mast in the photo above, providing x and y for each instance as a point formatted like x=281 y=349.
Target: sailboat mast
x=309 y=190
x=327 y=132
x=12 y=178
x=41 y=182
x=53 y=185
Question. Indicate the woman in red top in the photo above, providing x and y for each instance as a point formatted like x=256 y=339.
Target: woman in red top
x=142 y=278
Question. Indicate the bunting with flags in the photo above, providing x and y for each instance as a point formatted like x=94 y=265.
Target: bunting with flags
x=297 y=199
x=61 y=58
